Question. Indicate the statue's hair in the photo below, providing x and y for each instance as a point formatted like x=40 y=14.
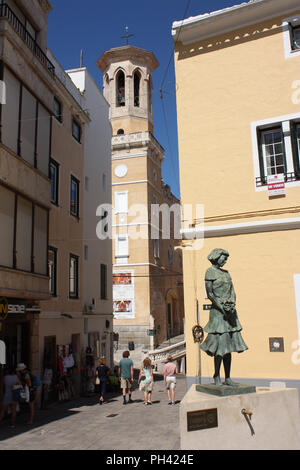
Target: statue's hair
x=216 y=253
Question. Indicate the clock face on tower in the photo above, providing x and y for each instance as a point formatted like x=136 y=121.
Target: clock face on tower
x=121 y=171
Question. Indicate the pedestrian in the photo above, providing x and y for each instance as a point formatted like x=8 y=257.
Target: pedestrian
x=170 y=372
x=26 y=378
x=10 y=380
x=125 y=372
x=102 y=372
x=146 y=380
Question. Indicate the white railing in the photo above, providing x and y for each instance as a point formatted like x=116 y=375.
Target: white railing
x=157 y=356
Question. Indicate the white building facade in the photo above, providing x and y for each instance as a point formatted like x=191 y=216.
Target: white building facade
x=97 y=253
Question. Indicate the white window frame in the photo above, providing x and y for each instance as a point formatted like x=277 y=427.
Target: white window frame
x=118 y=205
x=283 y=121
x=294 y=21
x=265 y=156
x=121 y=256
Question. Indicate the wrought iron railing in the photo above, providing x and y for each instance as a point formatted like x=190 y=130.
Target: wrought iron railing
x=6 y=12
x=157 y=356
x=288 y=177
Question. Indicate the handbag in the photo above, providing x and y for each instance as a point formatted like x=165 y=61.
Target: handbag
x=20 y=394
x=97 y=381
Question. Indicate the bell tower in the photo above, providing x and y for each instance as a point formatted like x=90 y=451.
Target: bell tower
x=127 y=86
x=136 y=180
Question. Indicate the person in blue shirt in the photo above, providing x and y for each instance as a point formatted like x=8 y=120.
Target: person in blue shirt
x=125 y=373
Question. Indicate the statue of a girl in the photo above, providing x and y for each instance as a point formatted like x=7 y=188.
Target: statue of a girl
x=224 y=329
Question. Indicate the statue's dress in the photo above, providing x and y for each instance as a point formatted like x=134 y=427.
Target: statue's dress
x=224 y=332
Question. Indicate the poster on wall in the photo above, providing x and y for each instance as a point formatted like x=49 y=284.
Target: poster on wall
x=123 y=294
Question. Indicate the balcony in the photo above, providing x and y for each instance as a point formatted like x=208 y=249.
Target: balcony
x=288 y=178
x=7 y=13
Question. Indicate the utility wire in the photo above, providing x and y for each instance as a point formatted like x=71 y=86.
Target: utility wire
x=162 y=98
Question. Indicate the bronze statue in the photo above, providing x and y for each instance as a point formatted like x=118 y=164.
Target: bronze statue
x=224 y=329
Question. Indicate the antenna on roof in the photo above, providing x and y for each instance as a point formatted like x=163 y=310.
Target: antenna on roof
x=81 y=58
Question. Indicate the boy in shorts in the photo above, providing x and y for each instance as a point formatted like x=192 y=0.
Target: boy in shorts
x=170 y=372
x=125 y=372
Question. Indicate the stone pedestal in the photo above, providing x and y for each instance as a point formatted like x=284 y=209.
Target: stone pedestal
x=268 y=419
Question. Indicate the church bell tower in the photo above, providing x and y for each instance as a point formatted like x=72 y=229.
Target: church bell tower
x=127 y=86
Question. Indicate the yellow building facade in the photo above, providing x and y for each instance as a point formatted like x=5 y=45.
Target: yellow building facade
x=238 y=79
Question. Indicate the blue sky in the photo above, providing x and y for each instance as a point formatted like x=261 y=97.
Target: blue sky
x=97 y=25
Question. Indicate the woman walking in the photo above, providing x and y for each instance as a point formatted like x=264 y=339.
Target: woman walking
x=10 y=379
x=170 y=372
x=146 y=380
x=102 y=374
x=26 y=379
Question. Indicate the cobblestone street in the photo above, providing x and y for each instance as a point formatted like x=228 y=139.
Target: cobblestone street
x=85 y=425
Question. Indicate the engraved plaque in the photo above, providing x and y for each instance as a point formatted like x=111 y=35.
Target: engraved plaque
x=202 y=419
x=276 y=344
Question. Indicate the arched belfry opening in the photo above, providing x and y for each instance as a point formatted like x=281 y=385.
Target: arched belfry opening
x=129 y=93
x=137 y=88
x=120 y=88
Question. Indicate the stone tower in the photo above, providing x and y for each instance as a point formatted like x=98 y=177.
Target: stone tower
x=141 y=313
x=127 y=86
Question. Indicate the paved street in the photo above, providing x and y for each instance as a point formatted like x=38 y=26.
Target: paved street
x=85 y=425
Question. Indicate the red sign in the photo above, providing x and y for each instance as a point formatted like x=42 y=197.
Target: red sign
x=276 y=185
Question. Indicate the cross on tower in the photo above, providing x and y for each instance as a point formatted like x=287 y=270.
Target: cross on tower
x=127 y=36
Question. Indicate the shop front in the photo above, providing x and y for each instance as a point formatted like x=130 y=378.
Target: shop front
x=16 y=330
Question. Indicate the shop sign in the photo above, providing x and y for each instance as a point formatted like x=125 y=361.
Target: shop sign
x=6 y=308
x=276 y=185
x=3 y=308
x=16 y=308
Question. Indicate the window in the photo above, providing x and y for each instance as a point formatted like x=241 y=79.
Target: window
x=7 y=223
x=121 y=249
x=120 y=89
x=52 y=266
x=272 y=148
x=291 y=36
x=104 y=181
x=54 y=176
x=73 y=277
x=103 y=281
x=57 y=109
x=121 y=202
x=120 y=132
x=26 y=124
x=295 y=135
x=278 y=149
x=156 y=248
x=74 y=197
x=76 y=130
x=23 y=234
x=137 y=81
x=86 y=252
x=295 y=37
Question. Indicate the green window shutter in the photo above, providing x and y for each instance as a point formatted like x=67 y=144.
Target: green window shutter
x=296 y=156
x=260 y=154
x=291 y=36
x=284 y=152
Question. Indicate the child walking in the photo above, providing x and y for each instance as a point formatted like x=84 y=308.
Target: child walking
x=146 y=380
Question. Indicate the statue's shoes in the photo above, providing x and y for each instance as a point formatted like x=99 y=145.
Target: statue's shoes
x=217 y=381
x=230 y=383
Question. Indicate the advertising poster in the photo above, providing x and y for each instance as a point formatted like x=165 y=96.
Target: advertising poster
x=123 y=294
